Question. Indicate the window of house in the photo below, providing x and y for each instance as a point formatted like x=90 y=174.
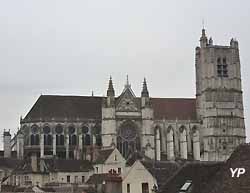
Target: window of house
x=68 y=179
x=96 y=169
x=26 y=180
x=186 y=186
x=145 y=188
x=128 y=188
x=115 y=157
x=83 y=179
x=119 y=170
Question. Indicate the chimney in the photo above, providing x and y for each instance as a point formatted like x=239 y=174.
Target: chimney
x=6 y=144
x=34 y=162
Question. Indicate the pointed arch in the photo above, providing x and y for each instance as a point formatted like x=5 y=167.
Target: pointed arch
x=170 y=143
x=195 y=143
x=183 y=142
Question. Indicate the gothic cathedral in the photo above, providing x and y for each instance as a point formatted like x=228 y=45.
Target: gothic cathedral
x=207 y=127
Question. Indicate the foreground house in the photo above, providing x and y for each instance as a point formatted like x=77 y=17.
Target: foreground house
x=108 y=159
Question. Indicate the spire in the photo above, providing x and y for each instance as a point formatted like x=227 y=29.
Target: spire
x=110 y=91
x=210 y=41
x=127 y=85
x=203 y=39
x=144 y=92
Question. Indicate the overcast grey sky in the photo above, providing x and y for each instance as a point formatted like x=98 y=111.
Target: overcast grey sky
x=71 y=47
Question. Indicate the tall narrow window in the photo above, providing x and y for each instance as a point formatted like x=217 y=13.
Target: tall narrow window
x=145 y=188
x=128 y=188
x=222 y=70
x=68 y=179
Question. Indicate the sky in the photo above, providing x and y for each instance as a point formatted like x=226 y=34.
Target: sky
x=72 y=47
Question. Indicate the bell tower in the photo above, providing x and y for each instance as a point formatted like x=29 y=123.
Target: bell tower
x=219 y=98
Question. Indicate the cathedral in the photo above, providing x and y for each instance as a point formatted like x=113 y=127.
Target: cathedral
x=207 y=127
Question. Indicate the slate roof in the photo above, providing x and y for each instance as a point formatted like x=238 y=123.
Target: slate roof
x=60 y=107
x=97 y=178
x=223 y=182
x=136 y=156
x=161 y=170
x=197 y=172
x=103 y=155
x=174 y=108
x=9 y=163
x=90 y=107
x=62 y=165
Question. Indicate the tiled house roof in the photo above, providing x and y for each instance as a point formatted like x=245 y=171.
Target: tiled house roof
x=223 y=182
x=161 y=170
x=97 y=178
x=103 y=155
x=199 y=173
x=62 y=165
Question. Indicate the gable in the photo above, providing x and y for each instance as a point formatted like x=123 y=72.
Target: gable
x=127 y=101
x=137 y=171
x=115 y=157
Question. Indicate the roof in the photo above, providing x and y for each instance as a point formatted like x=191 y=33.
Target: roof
x=58 y=107
x=61 y=107
x=223 y=182
x=161 y=170
x=174 y=108
x=103 y=155
x=63 y=165
x=136 y=156
x=197 y=172
x=97 y=178
x=9 y=163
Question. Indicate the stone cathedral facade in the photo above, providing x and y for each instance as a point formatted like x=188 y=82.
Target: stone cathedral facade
x=207 y=127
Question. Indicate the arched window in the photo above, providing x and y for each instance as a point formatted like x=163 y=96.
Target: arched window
x=119 y=144
x=59 y=129
x=32 y=140
x=72 y=140
x=49 y=139
x=97 y=129
x=222 y=70
x=46 y=130
x=98 y=140
x=87 y=140
x=34 y=129
x=128 y=139
x=61 y=139
x=71 y=129
x=138 y=144
x=57 y=139
x=37 y=139
x=85 y=129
